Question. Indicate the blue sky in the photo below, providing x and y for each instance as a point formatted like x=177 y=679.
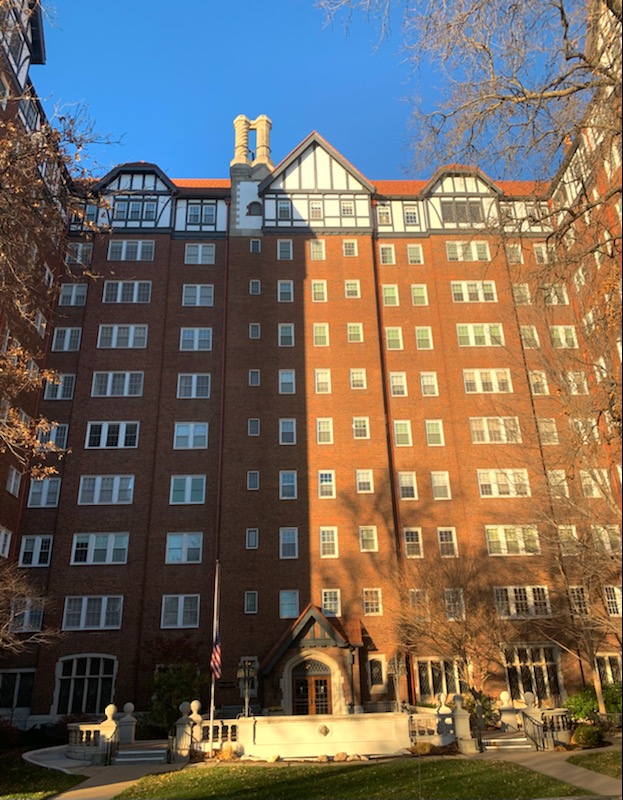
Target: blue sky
x=167 y=79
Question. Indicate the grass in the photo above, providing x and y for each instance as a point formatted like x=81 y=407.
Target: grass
x=391 y=780
x=609 y=762
x=23 y=781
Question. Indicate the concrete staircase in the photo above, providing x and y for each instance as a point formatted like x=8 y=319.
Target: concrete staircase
x=141 y=753
x=508 y=741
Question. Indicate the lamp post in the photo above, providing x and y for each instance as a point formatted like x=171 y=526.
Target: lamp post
x=396 y=667
x=246 y=672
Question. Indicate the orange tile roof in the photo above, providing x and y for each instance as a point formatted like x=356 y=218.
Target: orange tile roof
x=202 y=183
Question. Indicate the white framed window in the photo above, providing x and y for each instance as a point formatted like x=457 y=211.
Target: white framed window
x=35 y=551
x=418 y=603
x=364 y=481
x=529 y=337
x=180 y=611
x=609 y=667
x=26 y=614
x=547 y=430
x=117 y=384
x=252 y=538
x=447 y=542
x=372 y=602
x=613 y=600
x=94 y=612
x=393 y=338
x=402 y=433
x=122 y=337
x=187 y=490
x=387 y=254
x=288 y=604
x=106 y=490
x=326 y=484
x=350 y=248
x=368 y=539
x=184 y=548
x=354 y=332
x=190 y=436
x=568 y=539
x=424 y=338
x=73 y=294
x=487 y=381
x=455 y=604
x=251 y=602
x=288 y=543
x=557 y=483
x=253 y=480
x=352 y=289
x=255 y=330
x=253 y=427
x=319 y=291
x=62 y=389
x=410 y=212
x=127 y=292
x=13 y=481
x=111 y=434
x=503 y=483
x=541 y=254
x=197 y=339
x=476 y=335
x=284 y=249
x=316 y=209
x=361 y=428
x=495 y=430
x=440 y=483
x=287 y=431
x=131 y=250
x=514 y=254
x=347 y=208
x=473 y=292
x=198 y=295
x=595 y=482
x=254 y=377
x=200 y=254
x=56 y=435
x=284 y=209
x=563 y=337
x=99 y=548
x=398 y=384
x=191 y=385
x=521 y=294
x=461 y=212
x=512 y=540
x=66 y=339
x=320 y=334
x=322 y=381
x=285 y=291
x=415 y=254
x=467 y=251
x=413 y=542
x=419 y=294
x=328 y=542
x=578 y=601
x=324 y=430
x=538 y=382
x=358 y=379
x=407 y=486
x=331 y=602
x=607 y=538
x=384 y=214
x=317 y=250
x=287 y=381
x=576 y=381
x=44 y=493
x=79 y=254
x=390 y=294
x=555 y=295
x=5 y=545
x=255 y=245
x=522 y=602
x=41 y=324
x=200 y=213
x=428 y=384
x=255 y=287
x=434 y=432
x=285 y=334
x=288 y=484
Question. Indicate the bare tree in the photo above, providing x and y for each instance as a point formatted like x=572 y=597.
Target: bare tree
x=21 y=612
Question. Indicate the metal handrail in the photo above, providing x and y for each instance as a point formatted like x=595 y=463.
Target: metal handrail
x=534 y=730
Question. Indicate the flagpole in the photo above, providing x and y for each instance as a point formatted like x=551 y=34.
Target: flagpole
x=217 y=575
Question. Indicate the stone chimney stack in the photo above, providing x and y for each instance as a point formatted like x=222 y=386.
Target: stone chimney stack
x=261 y=162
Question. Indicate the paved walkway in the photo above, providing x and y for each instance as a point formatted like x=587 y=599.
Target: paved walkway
x=105 y=783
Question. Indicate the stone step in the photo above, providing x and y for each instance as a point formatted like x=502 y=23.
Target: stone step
x=153 y=756
x=515 y=742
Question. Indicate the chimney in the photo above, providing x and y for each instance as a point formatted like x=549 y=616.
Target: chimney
x=261 y=125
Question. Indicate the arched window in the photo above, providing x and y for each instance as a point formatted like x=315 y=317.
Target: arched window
x=254 y=209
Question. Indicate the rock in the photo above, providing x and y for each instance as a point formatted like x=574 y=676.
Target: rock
x=272 y=759
x=323 y=759
x=340 y=757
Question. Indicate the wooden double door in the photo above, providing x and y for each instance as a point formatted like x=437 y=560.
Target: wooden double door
x=311 y=688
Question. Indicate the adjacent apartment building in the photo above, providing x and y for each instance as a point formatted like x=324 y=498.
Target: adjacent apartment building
x=363 y=400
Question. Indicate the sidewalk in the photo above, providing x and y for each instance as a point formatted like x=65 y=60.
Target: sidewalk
x=105 y=783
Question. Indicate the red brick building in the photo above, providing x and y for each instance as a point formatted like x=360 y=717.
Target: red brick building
x=338 y=389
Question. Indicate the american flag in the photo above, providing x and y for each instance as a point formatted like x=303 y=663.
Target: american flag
x=215 y=659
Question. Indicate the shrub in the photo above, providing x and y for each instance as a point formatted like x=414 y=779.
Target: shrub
x=588 y=735
x=583 y=705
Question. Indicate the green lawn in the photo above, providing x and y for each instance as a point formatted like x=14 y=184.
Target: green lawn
x=396 y=780
x=22 y=781
x=609 y=762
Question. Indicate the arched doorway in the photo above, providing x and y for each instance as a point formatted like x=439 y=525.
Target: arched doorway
x=311 y=688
